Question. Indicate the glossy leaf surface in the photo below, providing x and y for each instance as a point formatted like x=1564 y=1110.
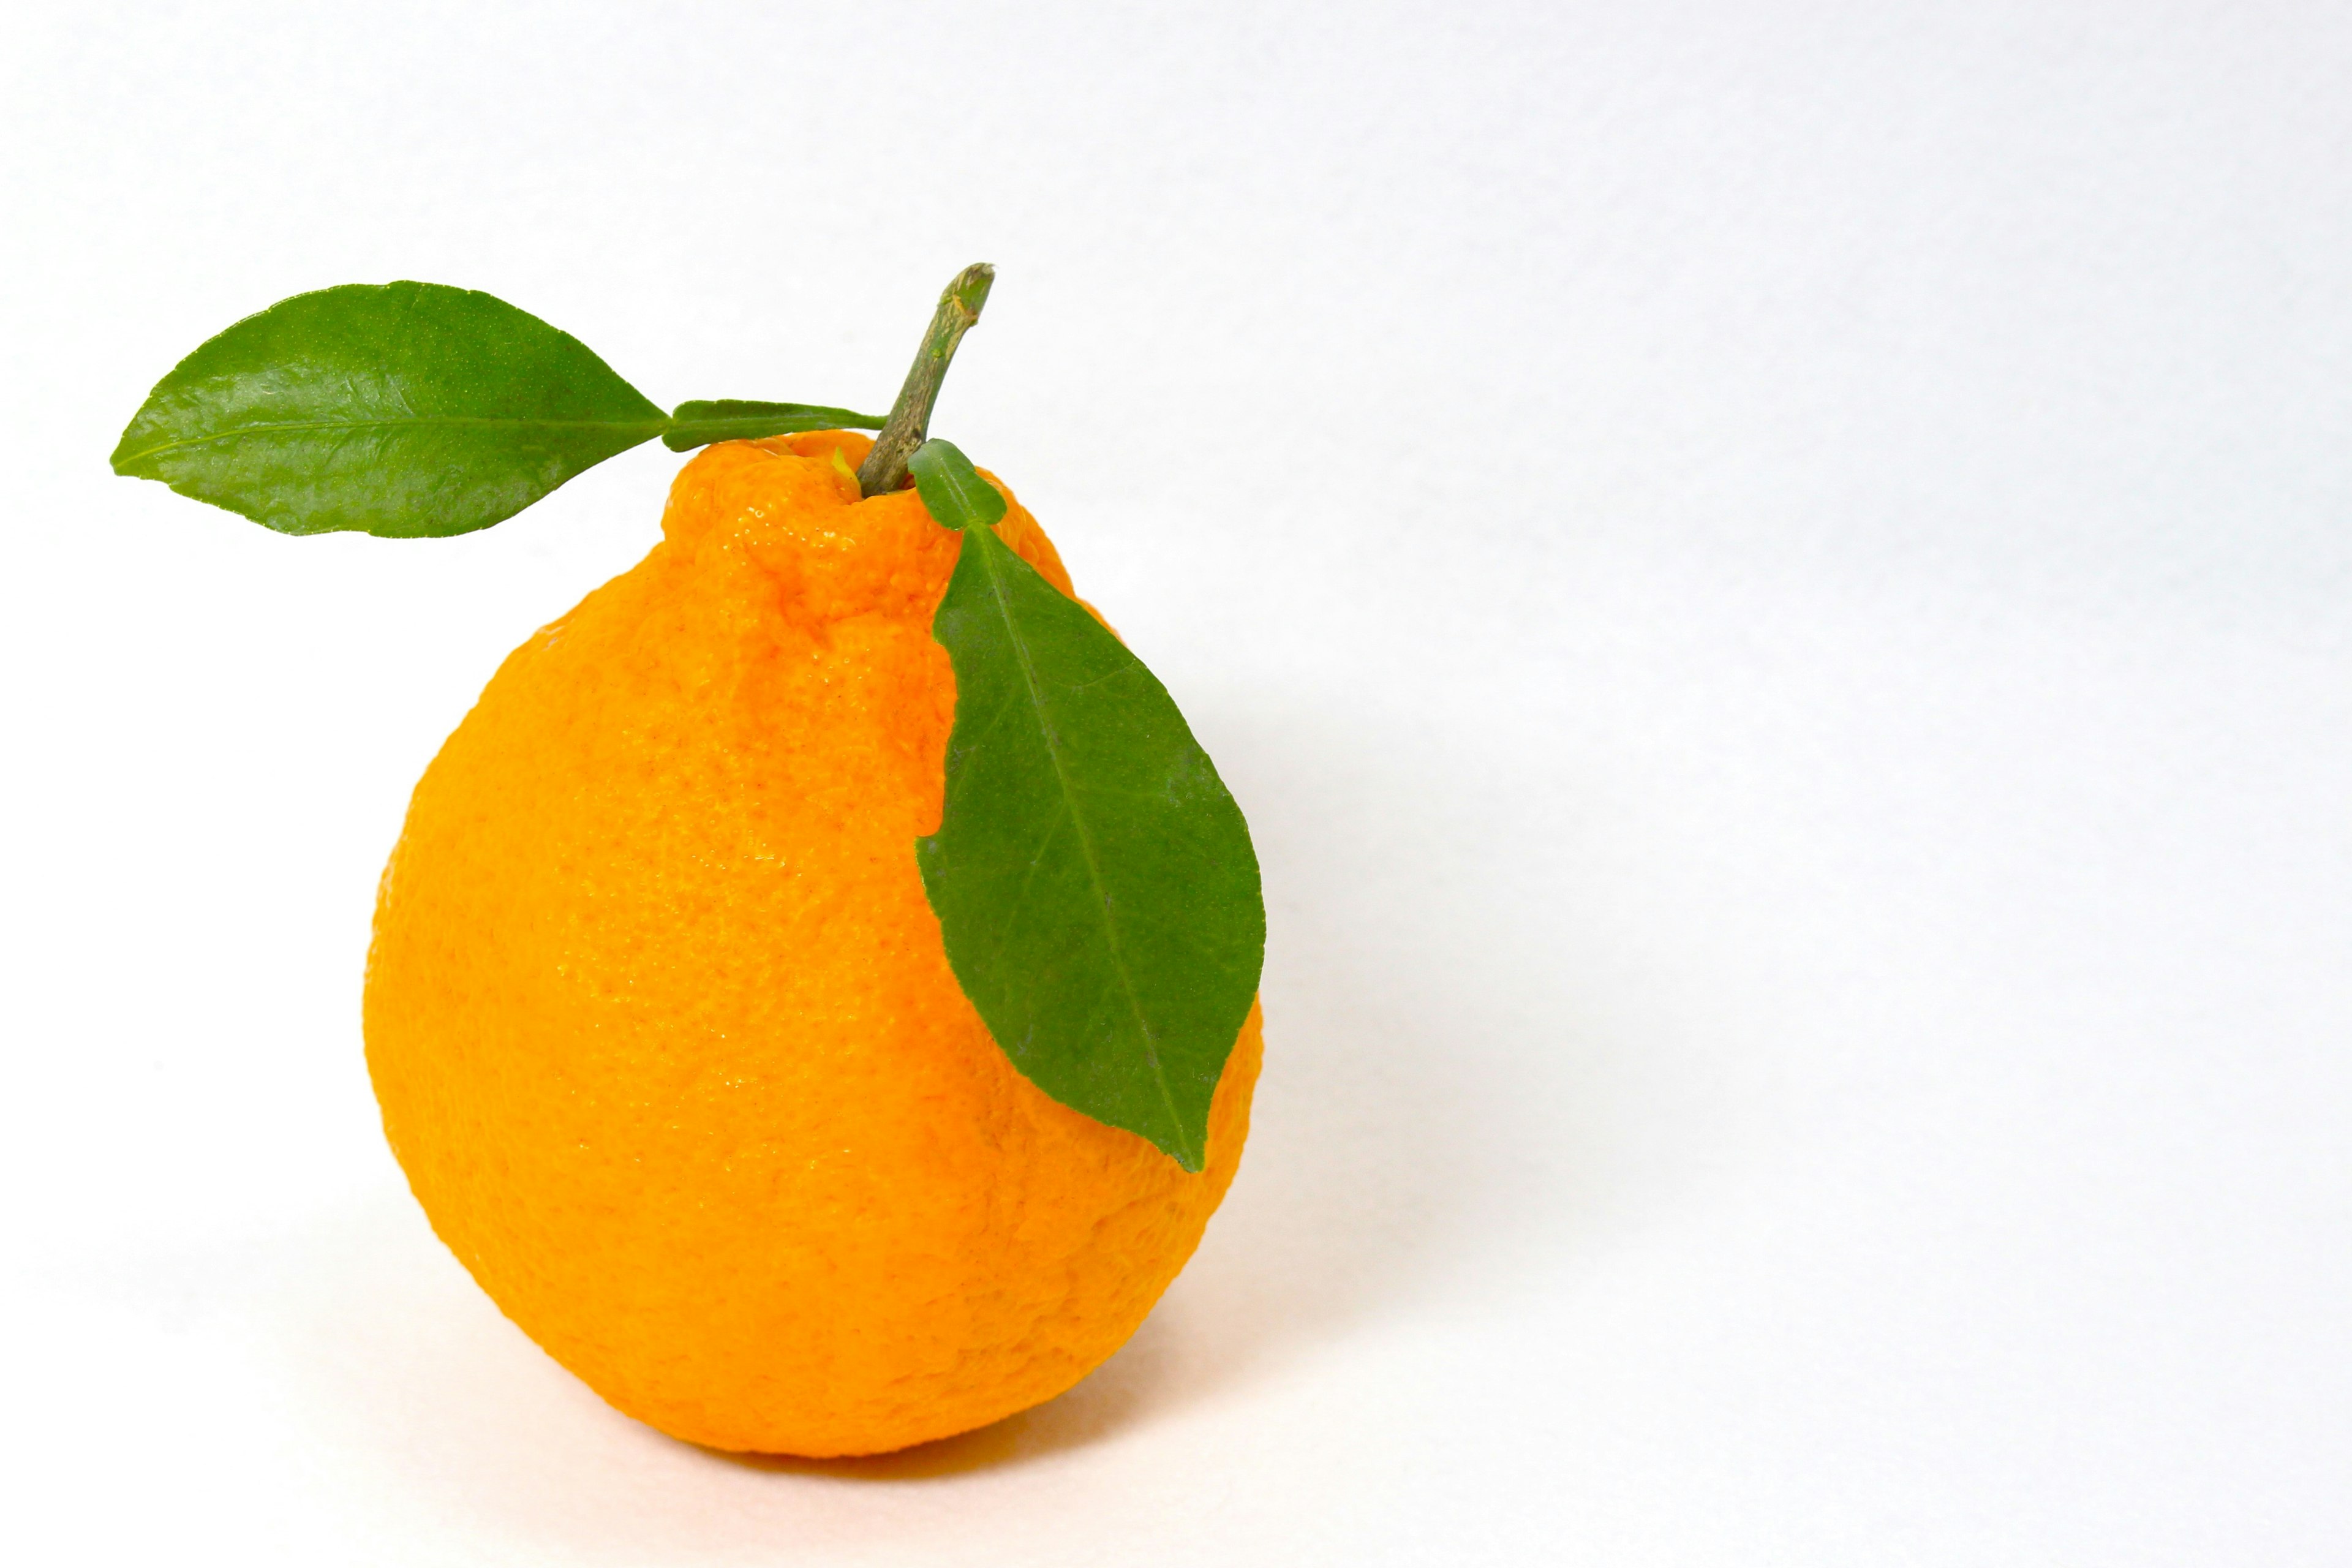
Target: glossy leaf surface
x=700 y=423
x=403 y=409
x=1093 y=878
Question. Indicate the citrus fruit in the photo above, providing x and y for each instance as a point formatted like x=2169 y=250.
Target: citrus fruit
x=663 y=1028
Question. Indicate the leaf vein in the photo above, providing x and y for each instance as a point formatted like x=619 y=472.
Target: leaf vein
x=352 y=426
x=1085 y=842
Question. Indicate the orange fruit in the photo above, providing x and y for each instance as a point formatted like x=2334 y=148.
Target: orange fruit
x=663 y=1032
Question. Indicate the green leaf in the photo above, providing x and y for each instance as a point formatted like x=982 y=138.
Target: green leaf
x=403 y=409
x=700 y=423
x=1093 y=878
x=952 y=491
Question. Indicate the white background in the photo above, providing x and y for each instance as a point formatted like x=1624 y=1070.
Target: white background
x=1773 y=578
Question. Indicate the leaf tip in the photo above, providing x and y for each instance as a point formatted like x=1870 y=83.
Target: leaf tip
x=124 y=459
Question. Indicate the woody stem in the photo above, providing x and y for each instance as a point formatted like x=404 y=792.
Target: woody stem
x=885 y=469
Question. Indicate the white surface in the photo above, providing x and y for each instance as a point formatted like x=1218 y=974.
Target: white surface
x=1774 y=580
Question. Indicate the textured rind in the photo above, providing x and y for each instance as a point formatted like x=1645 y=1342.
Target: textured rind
x=663 y=1030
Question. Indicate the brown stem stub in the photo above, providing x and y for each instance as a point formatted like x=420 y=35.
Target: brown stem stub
x=885 y=469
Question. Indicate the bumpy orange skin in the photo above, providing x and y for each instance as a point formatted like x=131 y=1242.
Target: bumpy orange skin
x=663 y=1030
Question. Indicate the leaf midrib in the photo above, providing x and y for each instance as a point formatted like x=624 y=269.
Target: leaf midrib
x=650 y=427
x=1078 y=828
